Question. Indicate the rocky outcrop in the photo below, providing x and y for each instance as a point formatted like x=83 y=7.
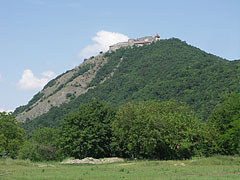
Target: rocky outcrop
x=90 y=160
x=64 y=88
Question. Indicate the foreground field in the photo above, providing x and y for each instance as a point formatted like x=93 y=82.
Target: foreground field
x=214 y=168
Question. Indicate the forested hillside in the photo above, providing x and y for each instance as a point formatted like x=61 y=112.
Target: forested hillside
x=167 y=69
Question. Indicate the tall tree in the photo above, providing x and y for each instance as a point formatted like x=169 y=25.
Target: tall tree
x=41 y=146
x=88 y=132
x=152 y=129
x=11 y=135
x=224 y=121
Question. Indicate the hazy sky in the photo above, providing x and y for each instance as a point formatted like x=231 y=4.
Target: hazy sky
x=40 y=39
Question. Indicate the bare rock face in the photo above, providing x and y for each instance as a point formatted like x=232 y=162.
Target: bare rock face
x=90 y=160
x=64 y=88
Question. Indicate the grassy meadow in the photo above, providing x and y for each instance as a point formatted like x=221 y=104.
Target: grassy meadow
x=213 y=168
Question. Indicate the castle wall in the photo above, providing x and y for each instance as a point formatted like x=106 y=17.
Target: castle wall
x=132 y=42
x=118 y=45
x=148 y=38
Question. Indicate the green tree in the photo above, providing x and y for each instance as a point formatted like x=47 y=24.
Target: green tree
x=11 y=135
x=41 y=146
x=152 y=129
x=88 y=132
x=223 y=125
x=121 y=127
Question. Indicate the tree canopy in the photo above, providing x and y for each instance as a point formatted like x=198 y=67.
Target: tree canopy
x=87 y=133
x=11 y=135
x=152 y=129
x=224 y=126
x=42 y=145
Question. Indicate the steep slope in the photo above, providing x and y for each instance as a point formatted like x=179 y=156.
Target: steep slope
x=62 y=89
x=163 y=70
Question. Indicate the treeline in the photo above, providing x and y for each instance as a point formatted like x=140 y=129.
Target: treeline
x=147 y=130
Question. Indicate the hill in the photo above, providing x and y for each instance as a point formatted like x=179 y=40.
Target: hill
x=163 y=70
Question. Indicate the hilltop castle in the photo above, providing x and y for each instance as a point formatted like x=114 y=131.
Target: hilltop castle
x=137 y=42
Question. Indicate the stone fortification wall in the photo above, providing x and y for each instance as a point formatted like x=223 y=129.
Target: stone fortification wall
x=148 y=38
x=132 y=42
x=118 y=45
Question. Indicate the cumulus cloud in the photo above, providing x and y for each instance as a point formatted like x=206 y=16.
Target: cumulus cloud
x=102 y=41
x=49 y=74
x=29 y=81
x=0 y=77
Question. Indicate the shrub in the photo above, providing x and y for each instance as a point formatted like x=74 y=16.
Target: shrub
x=42 y=146
x=88 y=132
x=162 y=130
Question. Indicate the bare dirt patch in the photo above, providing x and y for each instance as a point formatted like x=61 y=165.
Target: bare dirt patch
x=90 y=160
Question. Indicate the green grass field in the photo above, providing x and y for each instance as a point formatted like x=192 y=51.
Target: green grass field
x=214 y=168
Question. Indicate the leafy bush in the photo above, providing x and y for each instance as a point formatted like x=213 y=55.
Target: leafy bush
x=223 y=127
x=87 y=132
x=163 y=130
x=42 y=146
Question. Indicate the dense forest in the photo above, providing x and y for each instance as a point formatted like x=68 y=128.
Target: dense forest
x=167 y=69
x=147 y=130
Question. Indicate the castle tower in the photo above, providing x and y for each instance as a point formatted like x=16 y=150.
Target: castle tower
x=157 y=37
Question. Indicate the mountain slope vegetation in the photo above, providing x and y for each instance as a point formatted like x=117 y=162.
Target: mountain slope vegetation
x=167 y=69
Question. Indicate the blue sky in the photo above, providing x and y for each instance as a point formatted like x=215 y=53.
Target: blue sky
x=40 y=39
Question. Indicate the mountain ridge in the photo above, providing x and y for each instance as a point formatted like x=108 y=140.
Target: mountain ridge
x=162 y=70
x=61 y=89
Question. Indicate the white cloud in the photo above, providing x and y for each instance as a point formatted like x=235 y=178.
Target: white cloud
x=0 y=77
x=49 y=74
x=8 y=111
x=102 y=41
x=29 y=81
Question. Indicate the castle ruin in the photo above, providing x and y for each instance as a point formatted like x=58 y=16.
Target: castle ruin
x=137 y=42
